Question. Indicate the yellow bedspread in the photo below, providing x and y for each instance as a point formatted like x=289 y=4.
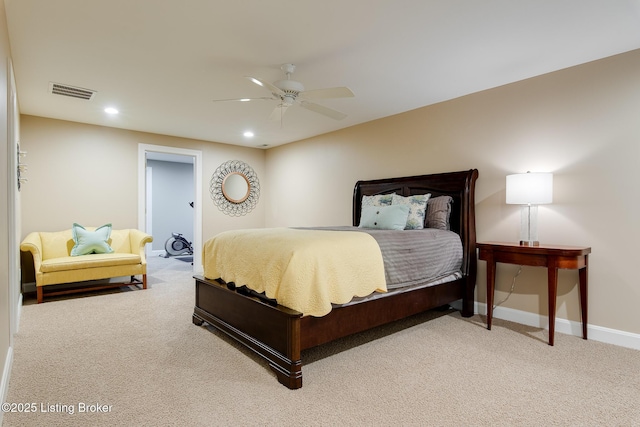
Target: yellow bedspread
x=305 y=270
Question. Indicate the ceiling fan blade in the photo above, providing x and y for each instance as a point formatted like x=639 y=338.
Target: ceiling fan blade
x=266 y=85
x=332 y=92
x=334 y=114
x=270 y=98
x=278 y=112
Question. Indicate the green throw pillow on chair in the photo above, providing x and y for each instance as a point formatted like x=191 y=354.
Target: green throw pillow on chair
x=91 y=242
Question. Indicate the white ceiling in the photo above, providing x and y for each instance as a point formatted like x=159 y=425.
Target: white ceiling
x=163 y=62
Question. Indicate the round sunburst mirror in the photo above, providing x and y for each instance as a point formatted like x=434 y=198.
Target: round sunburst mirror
x=235 y=188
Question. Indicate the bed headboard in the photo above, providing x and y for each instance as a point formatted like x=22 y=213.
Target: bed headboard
x=459 y=185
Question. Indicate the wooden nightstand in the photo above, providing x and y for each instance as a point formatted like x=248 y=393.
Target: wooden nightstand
x=551 y=256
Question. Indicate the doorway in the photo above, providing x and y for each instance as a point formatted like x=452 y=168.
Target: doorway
x=179 y=155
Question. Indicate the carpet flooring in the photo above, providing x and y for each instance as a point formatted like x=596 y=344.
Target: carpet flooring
x=134 y=358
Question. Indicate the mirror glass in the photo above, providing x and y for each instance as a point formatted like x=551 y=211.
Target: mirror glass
x=235 y=187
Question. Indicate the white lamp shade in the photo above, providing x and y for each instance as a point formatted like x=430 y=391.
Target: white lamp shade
x=530 y=188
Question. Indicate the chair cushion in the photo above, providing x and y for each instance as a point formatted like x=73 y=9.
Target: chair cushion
x=88 y=261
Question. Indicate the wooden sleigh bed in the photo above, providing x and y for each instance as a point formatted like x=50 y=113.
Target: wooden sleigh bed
x=279 y=334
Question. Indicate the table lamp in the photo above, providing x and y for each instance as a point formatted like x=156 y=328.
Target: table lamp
x=529 y=190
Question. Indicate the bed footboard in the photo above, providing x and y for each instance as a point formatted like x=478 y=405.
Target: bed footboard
x=275 y=337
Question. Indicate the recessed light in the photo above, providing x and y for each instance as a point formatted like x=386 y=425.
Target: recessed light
x=248 y=134
x=111 y=110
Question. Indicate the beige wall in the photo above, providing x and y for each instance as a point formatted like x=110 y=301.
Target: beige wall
x=581 y=123
x=89 y=174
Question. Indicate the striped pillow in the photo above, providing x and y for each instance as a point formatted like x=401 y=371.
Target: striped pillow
x=438 y=212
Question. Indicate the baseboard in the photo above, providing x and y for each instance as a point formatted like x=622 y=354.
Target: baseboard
x=6 y=374
x=563 y=326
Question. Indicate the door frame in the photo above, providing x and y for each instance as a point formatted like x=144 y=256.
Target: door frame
x=143 y=149
x=14 y=205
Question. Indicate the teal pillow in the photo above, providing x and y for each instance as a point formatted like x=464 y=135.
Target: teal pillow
x=384 y=217
x=91 y=242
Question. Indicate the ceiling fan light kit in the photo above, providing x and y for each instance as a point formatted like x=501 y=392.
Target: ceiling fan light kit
x=289 y=92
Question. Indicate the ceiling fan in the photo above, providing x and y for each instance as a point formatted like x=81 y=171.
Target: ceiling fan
x=289 y=92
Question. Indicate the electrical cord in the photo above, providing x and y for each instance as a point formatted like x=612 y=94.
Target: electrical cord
x=513 y=285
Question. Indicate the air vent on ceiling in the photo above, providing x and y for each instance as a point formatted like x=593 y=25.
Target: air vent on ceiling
x=73 y=92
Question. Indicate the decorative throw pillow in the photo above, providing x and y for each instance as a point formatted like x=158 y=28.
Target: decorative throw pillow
x=384 y=217
x=91 y=242
x=417 y=209
x=438 y=212
x=377 y=200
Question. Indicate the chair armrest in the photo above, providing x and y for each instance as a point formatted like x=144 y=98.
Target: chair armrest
x=137 y=240
x=32 y=243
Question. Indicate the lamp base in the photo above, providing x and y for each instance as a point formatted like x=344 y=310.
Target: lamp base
x=529 y=226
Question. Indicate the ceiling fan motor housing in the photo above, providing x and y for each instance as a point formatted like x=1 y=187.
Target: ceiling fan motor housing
x=291 y=89
x=289 y=86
